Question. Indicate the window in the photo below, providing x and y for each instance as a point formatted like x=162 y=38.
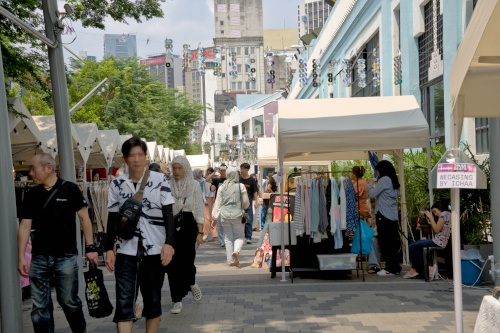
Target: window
x=482 y=143
x=433 y=109
x=246 y=50
x=367 y=54
x=426 y=40
x=252 y=51
x=238 y=51
x=233 y=85
x=221 y=22
x=240 y=86
x=247 y=85
x=222 y=32
x=254 y=85
x=239 y=68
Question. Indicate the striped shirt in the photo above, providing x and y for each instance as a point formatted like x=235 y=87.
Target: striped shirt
x=386 y=198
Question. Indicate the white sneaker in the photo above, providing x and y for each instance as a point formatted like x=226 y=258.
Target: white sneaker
x=196 y=291
x=383 y=272
x=177 y=308
x=249 y=241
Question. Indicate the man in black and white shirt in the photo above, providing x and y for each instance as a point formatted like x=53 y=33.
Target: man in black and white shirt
x=140 y=260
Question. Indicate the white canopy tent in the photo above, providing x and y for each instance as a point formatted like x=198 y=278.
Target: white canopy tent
x=351 y=125
x=474 y=92
x=201 y=162
x=25 y=137
x=166 y=153
x=111 y=145
x=153 y=155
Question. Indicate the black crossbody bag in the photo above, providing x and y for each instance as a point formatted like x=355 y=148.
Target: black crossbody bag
x=130 y=212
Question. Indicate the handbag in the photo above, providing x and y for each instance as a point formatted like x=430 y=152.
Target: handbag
x=130 y=212
x=95 y=292
x=179 y=217
x=244 y=216
x=364 y=235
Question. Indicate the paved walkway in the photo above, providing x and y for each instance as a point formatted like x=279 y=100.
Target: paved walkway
x=247 y=300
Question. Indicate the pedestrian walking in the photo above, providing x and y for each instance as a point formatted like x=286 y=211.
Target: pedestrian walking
x=232 y=200
x=188 y=233
x=139 y=261
x=50 y=210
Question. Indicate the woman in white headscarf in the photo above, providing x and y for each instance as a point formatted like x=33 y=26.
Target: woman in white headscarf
x=231 y=201
x=188 y=233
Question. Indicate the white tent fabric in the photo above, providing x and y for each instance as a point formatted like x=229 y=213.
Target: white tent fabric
x=349 y=124
x=166 y=153
x=161 y=156
x=153 y=155
x=25 y=137
x=88 y=136
x=111 y=143
x=199 y=161
x=475 y=73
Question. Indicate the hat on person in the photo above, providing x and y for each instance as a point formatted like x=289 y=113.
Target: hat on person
x=154 y=166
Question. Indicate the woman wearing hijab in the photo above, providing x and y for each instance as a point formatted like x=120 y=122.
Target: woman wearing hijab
x=231 y=201
x=198 y=177
x=386 y=193
x=188 y=233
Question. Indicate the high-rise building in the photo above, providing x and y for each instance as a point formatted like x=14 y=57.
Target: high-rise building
x=120 y=45
x=83 y=55
x=239 y=37
x=172 y=76
x=312 y=14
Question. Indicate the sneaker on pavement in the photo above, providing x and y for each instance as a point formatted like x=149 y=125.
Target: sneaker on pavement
x=248 y=241
x=196 y=291
x=222 y=245
x=177 y=308
x=383 y=272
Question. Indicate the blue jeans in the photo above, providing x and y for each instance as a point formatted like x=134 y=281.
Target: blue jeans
x=220 y=232
x=65 y=271
x=417 y=253
x=249 y=224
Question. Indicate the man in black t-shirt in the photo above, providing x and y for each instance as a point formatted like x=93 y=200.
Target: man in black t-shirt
x=50 y=208
x=216 y=183
x=253 y=195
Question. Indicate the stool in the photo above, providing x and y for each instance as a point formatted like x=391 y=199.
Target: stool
x=428 y=257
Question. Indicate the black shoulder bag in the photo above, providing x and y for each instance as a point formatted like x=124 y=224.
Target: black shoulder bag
x=130 y=212
x=179 y=217
x=244 y=216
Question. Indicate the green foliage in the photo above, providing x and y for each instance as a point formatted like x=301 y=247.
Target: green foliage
x=206 y=147
x=475 y=207
x=134 y=102
x=192 y=148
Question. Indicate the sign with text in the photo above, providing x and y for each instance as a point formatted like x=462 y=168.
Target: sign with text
x=456 y=175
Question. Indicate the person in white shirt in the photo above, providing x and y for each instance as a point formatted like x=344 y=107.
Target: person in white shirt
x=188 y=233
x=139 y=262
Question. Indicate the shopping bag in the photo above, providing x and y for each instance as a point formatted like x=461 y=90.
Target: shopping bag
x=366 y=239
x=95 y=292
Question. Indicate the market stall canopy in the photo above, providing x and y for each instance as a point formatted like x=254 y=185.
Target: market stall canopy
x=180 y=152
x=267 y=155
x=25 y=137
x=161 y=154
x=166 y=153
x=111 y=146
x=475 y=73
x=201 y=162
x=153 y=155
x=318 y=126
x=88 y=142
x=47 y=126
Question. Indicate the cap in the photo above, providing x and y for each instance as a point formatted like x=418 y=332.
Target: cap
x=154 y=166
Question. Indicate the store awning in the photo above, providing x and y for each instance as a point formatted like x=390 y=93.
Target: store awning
x=318 y=126
x=475 y=73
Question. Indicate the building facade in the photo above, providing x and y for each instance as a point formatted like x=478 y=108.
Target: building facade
x=363 y=42
x=170 y=77
x=239 y=38
x=312 y=14
x=120 y=45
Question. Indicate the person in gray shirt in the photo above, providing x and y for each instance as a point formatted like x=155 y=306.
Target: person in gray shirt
x=386 y=193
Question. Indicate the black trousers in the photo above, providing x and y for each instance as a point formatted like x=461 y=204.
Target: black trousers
x=389 y=242
x=181 y=270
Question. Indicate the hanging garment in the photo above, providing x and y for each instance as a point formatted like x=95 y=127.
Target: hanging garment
x=351 y=211
x=314 y=206
x=323 y=213
x=297 y=216
x=343 y=216
x=306 y=212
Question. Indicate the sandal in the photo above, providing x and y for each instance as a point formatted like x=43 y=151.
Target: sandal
x=373 y=270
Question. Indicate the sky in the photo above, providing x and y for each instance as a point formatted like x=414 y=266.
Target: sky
x=191 y=24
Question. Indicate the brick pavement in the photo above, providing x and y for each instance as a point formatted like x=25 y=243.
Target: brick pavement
x=247 y=300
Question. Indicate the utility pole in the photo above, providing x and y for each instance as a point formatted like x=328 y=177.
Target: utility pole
x=53 y=31
x=10 y=284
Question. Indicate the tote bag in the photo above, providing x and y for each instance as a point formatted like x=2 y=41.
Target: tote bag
x=366 y=239
x=95 y=292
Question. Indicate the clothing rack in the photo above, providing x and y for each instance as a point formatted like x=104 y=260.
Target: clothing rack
x=321 y=173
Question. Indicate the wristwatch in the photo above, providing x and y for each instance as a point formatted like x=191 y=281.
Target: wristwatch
x=90 y=248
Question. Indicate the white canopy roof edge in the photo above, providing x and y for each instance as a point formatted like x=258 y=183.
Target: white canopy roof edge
x=153 y=155
x=474 y=78
x=110 y=144
x=201 y=162
x=88 y=136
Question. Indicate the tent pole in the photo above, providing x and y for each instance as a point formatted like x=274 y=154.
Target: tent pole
x=404 y=212
x=455 y=226
x=429 y=168
x=282 y=213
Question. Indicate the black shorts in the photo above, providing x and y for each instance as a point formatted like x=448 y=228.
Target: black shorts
x=132 y=273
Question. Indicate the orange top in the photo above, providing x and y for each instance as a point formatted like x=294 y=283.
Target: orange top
x=361 y=189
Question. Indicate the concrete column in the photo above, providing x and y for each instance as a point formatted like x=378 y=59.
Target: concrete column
x=387 y=52
x=10 y=282
x=494 y=132
x=409 y=51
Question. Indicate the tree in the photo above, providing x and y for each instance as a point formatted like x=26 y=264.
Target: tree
x=25 y=57
x=134 y=102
